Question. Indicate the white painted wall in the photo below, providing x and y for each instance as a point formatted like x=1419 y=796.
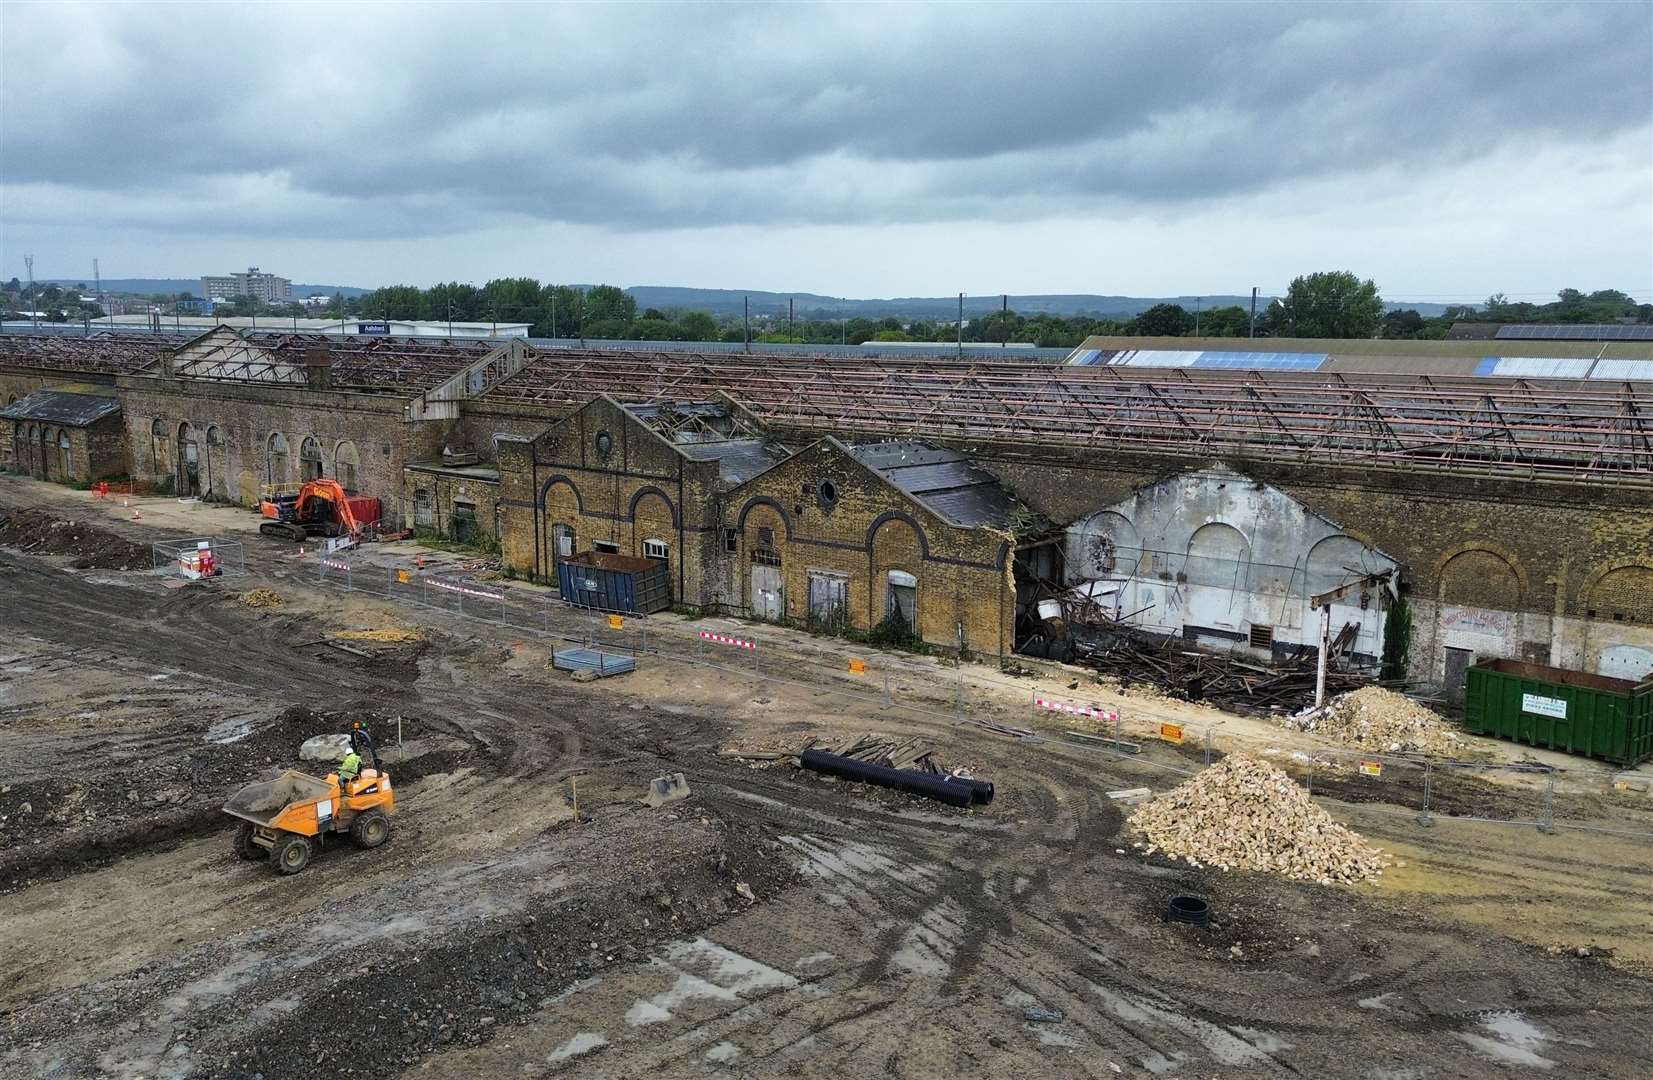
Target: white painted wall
x=1214 y=549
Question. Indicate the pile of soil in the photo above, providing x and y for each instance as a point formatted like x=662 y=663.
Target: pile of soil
x=1381 y=720
x=1244 y=814
x=39 y=533
x=262 y=598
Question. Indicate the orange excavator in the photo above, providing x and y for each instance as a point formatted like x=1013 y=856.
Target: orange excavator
x=321 y=508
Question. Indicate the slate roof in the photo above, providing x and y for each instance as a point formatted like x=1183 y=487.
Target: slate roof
x=62 y=407
x=944 y=480
x=738 y=460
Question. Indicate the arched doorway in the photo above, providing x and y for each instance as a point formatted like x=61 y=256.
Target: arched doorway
x=345 y=465
x=218 y=465
x=188 y=480
x=309 y=460
x=161 y=455
x=275 y=459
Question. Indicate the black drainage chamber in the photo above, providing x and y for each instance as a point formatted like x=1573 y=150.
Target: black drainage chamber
x=1188 y=909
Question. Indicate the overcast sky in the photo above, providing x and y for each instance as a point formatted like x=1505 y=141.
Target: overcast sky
x=1446 y=150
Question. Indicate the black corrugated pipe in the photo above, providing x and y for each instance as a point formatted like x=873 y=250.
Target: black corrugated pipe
x=954 y=791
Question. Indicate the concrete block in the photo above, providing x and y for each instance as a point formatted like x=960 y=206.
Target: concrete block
x=325 y=748
x=667 y=789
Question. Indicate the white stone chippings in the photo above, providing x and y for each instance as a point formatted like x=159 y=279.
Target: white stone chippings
x=1244 y=814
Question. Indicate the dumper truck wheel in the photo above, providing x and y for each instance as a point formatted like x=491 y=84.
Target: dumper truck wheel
x=244 y=845
x=291 y=853
x=371 y=829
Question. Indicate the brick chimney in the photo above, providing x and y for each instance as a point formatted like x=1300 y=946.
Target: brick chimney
x=318 y=368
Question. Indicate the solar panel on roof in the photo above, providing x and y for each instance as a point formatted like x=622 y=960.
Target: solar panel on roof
x=1534 y=367
x=1260 y=361
x=1576 y=332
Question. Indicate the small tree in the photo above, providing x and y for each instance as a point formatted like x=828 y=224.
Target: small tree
x=1333 y=304
x=1164 y=320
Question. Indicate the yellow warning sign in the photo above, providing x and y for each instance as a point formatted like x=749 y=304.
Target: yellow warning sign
x=1171 y=732
x=615 y=622
x=1372 y=768
x=403 y=577
x=858 y=667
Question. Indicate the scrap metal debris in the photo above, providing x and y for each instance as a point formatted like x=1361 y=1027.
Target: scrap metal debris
x=1244 y=814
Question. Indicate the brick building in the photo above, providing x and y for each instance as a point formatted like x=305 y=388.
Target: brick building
x=72 y=434
x=1515 y=491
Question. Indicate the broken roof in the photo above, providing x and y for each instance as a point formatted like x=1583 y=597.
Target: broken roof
x=713 y=431
x=944 y=480
x=62 y=407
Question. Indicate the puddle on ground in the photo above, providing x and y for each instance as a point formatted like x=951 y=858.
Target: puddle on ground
x=578 y=1046
x=1225 y=1047
x=1510 y=1038
x=723 y=1053
x=928 y=946
x=705 y=971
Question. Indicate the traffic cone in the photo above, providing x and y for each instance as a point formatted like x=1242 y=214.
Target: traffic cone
x=301 y=551
x=137 y=515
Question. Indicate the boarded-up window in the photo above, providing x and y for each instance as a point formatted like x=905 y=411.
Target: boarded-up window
x=423 y=512
x=345 y=465
x=828 y=598
x=276 y=459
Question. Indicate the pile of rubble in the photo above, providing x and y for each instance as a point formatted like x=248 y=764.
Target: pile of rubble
x=262 y=598
x=1380 y=720
x=1244 y=814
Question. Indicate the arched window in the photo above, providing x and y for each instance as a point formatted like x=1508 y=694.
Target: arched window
x=309 y=459
x=345 y=464
x=158 y=429
x=275 y=459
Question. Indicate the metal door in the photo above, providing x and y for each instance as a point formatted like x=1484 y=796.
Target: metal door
x=766 y=592
x=1457 y=663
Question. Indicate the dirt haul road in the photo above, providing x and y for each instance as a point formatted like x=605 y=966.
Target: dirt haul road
x=497 y=934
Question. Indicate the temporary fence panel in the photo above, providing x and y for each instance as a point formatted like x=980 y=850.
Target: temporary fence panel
x=199 y=556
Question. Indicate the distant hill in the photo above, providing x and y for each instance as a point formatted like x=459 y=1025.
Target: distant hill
x=193 y=286
x=814 y=305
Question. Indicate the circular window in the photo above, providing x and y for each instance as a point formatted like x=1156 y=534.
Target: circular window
x=605 y=444
x=828 y=492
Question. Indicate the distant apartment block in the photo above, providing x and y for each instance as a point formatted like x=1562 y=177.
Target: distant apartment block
x=253 y=283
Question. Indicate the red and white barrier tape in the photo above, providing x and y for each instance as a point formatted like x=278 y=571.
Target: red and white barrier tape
x=724 y=639
x=335 y=564
x=463 y=589
x=1076 y=710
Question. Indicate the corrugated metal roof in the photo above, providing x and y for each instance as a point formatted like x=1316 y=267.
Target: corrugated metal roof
x=944 y=480
x=62 y=407
x=1576 y=332
x=1629 y=370
x=1535 y=367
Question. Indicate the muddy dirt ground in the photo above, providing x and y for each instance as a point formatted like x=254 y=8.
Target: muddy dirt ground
x=773 y=924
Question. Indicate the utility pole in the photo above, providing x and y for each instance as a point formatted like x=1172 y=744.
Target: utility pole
x=961 y=326
x=450 y=317
x=746 y=319
x=553 y=311
x=34 y=301
x=1004 y=310
x=1199 y=302
x=789 y=331
x=1251 y=328
x=97 y=282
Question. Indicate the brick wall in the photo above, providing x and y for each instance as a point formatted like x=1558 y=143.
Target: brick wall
x=871 y=528
x=444 y=487
x=232 y=426
x=639 y=489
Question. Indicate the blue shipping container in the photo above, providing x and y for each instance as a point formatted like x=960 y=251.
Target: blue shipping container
x=618 y=583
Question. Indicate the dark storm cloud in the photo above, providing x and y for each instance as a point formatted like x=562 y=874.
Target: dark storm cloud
x=442 y=118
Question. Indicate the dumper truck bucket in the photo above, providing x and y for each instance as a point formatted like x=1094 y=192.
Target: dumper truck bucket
x=263 y=802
